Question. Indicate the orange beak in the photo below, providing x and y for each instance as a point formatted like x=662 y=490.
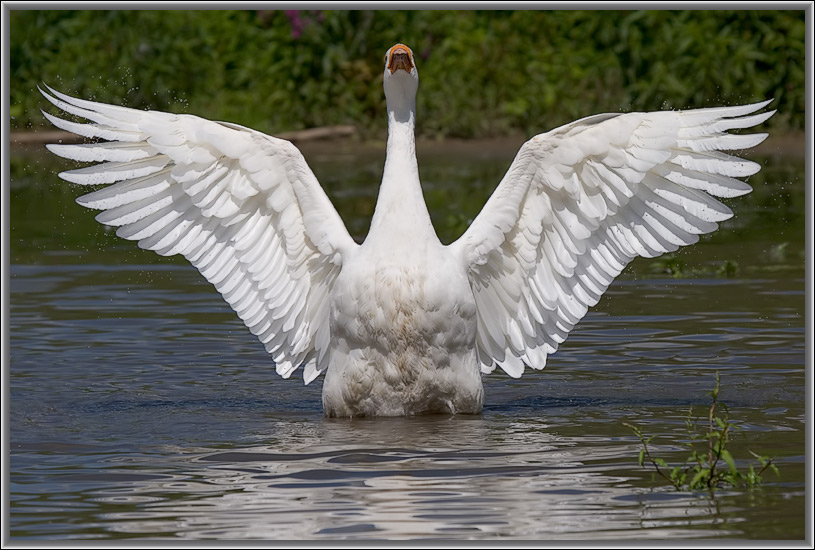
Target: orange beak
x=400 y=57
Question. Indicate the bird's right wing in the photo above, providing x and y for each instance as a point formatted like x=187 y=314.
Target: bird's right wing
x=580 y=202
x=243 y=207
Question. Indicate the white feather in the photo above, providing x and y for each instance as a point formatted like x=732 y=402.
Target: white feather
x=186 y=185
x=402 y=324
x=643 y=187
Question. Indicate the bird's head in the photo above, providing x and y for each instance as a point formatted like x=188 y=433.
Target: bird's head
x=401 y=77
x=400 y=57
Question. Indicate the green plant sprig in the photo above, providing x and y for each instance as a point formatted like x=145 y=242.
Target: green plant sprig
x=702 y=469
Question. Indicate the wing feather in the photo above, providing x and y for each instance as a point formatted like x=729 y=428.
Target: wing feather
x=243 y=207
x=579 y=203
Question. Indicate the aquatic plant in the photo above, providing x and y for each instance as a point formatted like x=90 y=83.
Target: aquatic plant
x=710 y=465
x=673 y=266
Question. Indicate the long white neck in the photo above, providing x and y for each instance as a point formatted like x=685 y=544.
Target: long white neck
x=401 y=212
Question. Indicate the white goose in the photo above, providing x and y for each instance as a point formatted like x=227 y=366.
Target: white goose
x=403 y=324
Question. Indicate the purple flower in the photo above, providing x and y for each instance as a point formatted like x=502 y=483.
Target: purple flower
x=296 y=23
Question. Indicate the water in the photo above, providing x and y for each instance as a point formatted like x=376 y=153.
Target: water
x=142 y=407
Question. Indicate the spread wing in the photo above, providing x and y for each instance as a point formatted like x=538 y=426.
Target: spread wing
x=579 y=203
x=243 y=207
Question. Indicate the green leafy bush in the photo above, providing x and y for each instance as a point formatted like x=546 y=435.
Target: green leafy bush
x=484 y=73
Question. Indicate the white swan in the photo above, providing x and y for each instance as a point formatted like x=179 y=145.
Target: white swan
x=403 y=324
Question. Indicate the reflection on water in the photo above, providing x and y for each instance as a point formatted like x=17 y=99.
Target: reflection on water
x=138 y=410
x=530 y=485
x=142 y=407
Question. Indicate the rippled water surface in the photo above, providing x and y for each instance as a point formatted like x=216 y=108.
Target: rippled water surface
x=142 y=407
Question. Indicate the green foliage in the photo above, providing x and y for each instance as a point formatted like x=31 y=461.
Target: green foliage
x=674 y=267
x=484 y=73
x=728 y=268
x=710 y=465
x=670 y=265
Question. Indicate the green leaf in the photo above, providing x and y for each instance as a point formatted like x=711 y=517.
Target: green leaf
x=733 y=478
x=728 y=458
x=715 y=393
x=642 y=457
x=718 y=447
x=700 y=476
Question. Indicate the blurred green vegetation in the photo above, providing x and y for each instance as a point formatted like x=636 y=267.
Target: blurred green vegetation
x=483 y=73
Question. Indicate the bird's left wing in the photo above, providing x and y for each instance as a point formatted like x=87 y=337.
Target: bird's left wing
x=243 y=207
x=579 y=203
